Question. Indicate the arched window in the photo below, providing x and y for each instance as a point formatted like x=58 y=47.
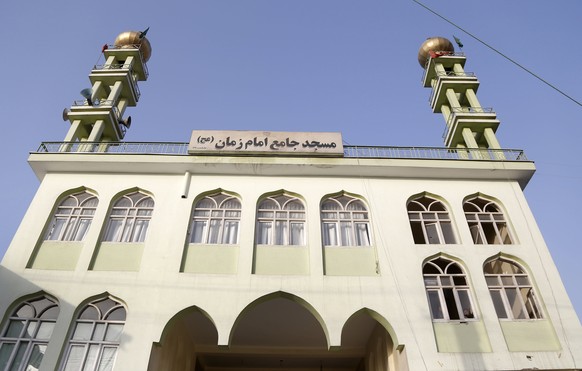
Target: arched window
x=447 y=290
x=281 y=221
x=72 y=218
x=430 y=221
x=216 y=220
x=345 y=222
x=511 y=290
x=26 y=334
x=96 y=336
x=486 y=222
x=130 y=218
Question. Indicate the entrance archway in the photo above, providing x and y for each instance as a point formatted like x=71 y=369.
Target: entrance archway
x=278 y=332
x=369 y=334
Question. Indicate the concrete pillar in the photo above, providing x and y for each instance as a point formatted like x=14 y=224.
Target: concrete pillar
x=110 y=61
x=458 y=69
x=491 y=139
x=493 y=144
x=453 y=100
x=96 y=89
x=115 y=91
x=472 y=144
x=446 y=111
x=72 y=136
x=439 y=69
x=97 y=131
x=73 y=133
x=472 y=98
x=121 y=106
x=129 y=61
x=462 y=152
x=469 y=138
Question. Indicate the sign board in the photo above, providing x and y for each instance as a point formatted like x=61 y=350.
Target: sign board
x=209 y=142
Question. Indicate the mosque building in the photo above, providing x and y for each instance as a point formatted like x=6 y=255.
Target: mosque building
x=290 y=251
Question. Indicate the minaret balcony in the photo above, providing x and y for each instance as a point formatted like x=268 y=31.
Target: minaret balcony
x=446 y=59
x=109 y=74
x=121 y=53
x=103 y=110
x=457 y=81
x=475 y=118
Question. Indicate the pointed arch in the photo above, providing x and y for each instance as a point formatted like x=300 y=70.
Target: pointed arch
x=296 y=315
x=96 y=334
x=430 y=220
x=27 y=329
x=215 y=218
x=448 y=289
x=380 y=319
x=345 y=220
x=486 y=220
x=281 y=219
x=129 y=216
x=511 y=288
x=72 y=215
x=205 y=331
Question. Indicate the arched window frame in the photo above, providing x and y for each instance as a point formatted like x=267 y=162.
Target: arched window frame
x=345 y=222
x=430 y=221
x=511 y=290
x=216 y=220
x=281 y=221
x=448 y=291
x=72 y=218
x=96 y=336
x=26 y=333
x=487 y=222
x=129 y=218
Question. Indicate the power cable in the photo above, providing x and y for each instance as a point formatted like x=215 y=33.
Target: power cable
x=498 y=52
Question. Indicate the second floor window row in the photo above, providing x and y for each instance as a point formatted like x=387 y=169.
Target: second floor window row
x=280 y=220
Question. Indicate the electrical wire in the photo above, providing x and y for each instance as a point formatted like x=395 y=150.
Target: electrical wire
x=498 y=52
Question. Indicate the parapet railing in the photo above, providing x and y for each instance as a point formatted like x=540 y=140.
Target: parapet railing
x=455 y=74
x=350 y=151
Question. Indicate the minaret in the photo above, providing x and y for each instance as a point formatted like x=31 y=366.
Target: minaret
x=454 y=94
x=99 y=117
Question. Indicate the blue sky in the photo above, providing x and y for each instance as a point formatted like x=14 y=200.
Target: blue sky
x=317 y=65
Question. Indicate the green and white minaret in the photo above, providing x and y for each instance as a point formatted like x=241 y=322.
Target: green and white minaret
x=100 y=116
x=454 y=94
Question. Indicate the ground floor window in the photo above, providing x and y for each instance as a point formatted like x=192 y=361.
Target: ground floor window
x=96 y=336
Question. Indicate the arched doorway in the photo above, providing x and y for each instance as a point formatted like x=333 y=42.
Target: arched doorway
x=368 y=334
x=183 y=335
x=277 y=332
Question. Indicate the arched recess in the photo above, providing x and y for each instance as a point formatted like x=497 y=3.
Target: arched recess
x=488 y=220
x=278 y=307
x=188 y=334
x=26 y=331
x=431 y=222
x=281 y=235
x=59 y=245
x=212 y=238
x=347 y=243
x=370 y=338
x=124 y=232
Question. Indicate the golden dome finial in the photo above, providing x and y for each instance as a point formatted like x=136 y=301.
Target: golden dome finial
x=434 y=44
x=135 y=38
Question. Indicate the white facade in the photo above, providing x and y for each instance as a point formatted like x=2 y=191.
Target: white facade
x=227 y=283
